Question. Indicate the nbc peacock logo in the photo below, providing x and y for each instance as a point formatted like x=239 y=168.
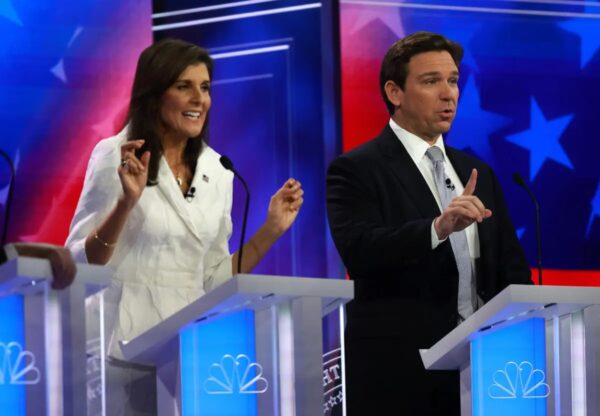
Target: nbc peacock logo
x=517 y=381
x=235 y=375
x=17 y=366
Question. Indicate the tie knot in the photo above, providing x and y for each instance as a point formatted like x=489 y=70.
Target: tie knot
x=435 y=154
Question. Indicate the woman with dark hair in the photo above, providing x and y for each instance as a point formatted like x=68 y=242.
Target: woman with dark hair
x=137 y=214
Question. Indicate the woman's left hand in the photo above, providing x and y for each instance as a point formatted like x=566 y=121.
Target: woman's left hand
x=283 y=210
x=284 y=207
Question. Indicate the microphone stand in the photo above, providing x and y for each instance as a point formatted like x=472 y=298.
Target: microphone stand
x=519 y=181
x=228 y=164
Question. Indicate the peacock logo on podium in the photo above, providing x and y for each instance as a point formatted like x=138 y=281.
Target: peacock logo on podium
x=235 y=375
x=517 y=381
x=18 y=366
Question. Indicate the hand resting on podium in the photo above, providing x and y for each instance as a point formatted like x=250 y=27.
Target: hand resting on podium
x=61 y=261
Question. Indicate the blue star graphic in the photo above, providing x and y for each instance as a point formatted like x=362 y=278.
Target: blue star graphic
x=588 y=32
x=542 y=140
x=473 y=125
x=8 y=11
x=595 y=211
x=390 y=19
x=464 y=36
x=59 y=71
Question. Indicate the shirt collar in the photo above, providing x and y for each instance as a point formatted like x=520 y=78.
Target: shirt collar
x=414 y=145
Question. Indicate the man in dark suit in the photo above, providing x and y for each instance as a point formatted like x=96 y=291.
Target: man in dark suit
x=424 y=232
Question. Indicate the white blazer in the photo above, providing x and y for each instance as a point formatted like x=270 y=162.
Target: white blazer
x=171 y=250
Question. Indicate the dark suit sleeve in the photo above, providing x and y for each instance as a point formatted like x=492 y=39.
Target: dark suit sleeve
x=2 y=256
x=368 y=241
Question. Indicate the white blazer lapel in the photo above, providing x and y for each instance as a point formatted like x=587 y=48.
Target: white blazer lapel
x=169 y=188
x=207 y=193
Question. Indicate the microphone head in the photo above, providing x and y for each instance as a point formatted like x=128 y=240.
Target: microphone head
x=226 y=162
x=518 y=179
x=189 y=195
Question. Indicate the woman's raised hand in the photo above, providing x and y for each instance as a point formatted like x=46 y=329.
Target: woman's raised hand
x=283 y=210
x=133 y=172
x=284 y=206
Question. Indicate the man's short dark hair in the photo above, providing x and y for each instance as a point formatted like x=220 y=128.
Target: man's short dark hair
x=395 y=63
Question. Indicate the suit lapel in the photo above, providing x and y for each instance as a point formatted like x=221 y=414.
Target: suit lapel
x=399 y=161
x=169 y=188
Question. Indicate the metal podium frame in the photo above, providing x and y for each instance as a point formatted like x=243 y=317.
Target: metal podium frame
x=290 y=307
x=60 y=340
x=572 y=317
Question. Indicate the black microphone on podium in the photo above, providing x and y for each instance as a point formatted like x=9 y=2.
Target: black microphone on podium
x=8 y=202
x=538 y=234
x=228 y=164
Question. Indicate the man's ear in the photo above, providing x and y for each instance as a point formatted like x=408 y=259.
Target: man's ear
x=394 y=93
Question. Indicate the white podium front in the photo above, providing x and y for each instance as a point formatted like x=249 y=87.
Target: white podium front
x=48 y=342
x=273 y=367
x=531 y=350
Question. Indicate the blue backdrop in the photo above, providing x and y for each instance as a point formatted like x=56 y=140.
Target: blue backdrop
x=528 y=82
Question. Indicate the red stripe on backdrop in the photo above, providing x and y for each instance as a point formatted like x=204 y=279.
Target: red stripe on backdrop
x=563 y=277
x=568 y=277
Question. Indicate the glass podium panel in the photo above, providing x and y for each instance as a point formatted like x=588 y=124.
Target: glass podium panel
x=51 y=360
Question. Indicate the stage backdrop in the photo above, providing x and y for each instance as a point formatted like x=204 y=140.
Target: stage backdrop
x=65 y=76
x=273 y=113
x=530 y=74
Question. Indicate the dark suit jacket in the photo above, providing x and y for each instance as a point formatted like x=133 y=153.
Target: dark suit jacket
x=380 y=213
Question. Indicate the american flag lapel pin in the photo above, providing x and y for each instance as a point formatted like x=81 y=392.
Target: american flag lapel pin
x=205 y=178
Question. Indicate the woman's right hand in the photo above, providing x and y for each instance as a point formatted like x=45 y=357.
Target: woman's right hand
x=133 y=172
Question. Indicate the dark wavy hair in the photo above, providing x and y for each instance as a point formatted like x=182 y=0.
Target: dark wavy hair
x=395 y=63
x=158 y=67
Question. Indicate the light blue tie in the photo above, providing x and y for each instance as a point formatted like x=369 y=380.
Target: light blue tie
x=458 y=239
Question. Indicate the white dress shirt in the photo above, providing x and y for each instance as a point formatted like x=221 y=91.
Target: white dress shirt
x=416 y=148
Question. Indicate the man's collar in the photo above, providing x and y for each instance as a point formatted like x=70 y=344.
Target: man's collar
x=414 y=145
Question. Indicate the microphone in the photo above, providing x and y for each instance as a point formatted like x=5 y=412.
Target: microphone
x=538 y=235
x=8 y=202
x=449 y=184
x=228 y=164
x=190 y=194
